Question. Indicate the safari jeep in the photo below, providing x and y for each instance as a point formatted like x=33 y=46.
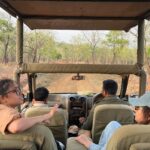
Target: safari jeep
x=82 y=15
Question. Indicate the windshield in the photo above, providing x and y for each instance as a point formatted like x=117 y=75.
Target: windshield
x=88 y=85
x=67 y=83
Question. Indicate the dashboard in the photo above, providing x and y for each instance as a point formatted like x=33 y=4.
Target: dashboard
x=77 y=108
x=76 y=105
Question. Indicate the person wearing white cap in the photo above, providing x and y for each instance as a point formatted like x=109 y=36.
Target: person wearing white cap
x=141 y=107
x=144 y=100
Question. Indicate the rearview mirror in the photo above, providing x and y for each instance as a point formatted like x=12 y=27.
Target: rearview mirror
x=78 y=77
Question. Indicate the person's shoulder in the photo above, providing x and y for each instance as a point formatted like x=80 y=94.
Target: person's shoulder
x=101 y=102
x=9 y=111
x=36 y=109
x=118 y=100
x=124 y=102
x=4 y=107
x=30 y=108
x=112 y=100
x=106 y=100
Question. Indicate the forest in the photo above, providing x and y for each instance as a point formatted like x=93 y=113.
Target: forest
x=92 y=47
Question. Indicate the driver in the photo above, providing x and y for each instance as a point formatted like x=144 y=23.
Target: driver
x=109 y=90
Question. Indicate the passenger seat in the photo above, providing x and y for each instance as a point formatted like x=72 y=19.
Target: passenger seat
x=130 y=137
x=58 y=123
x=103 y=114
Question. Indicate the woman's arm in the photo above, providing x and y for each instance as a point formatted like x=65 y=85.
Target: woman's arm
x=84 y=140
x=22 y=124
x=105 y=136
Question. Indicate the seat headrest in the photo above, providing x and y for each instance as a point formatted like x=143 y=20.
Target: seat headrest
x=127 y=135
x=57 y=120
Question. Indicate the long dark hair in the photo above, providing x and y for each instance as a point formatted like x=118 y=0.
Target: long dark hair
x=146 y=111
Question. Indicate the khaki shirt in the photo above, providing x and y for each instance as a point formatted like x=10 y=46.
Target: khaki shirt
x=8 y=115
x=107 y=100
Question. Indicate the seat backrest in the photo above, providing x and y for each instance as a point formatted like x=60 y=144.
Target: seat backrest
x=140 y=146
x=130 y=137
x=35 y=138
x=58 y=123
x=103 y=114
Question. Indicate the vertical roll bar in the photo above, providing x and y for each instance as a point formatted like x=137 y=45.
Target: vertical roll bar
x=140 y=56
x=19 y=48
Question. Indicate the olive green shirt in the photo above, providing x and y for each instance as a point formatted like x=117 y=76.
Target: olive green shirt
x=107 y=100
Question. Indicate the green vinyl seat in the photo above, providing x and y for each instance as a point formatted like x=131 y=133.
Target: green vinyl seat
x=58 y=123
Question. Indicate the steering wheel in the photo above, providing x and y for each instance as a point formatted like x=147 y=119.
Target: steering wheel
x=97 y=97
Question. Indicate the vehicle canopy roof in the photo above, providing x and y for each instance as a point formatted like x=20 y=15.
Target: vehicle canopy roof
x=79 y=14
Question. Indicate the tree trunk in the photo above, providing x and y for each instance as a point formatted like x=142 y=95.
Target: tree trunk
x=39 y=59
x=5 y=56
x=34 y=60
x=93 y=57
x=114 y=54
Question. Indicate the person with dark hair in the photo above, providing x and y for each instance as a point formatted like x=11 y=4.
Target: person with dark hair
x=108 y=96
x=110 y=86
x=40 y=97
x=39 y=103
x=141 y=108
x=11 y=121
x=41 y=94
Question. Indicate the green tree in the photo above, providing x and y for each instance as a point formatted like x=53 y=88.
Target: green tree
x=116 y=41
x=7 y=36
x=93 y=39
x=77 y=49
x=65 y=49
x=40 y=46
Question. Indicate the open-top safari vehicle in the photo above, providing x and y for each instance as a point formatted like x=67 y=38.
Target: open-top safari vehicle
x=79 y=15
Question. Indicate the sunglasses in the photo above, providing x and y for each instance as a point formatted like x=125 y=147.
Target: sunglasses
x=16 y=90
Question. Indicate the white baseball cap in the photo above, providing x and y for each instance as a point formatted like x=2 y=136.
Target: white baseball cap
x=144 y=100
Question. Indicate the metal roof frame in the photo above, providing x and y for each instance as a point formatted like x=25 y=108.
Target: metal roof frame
x=80 y=20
